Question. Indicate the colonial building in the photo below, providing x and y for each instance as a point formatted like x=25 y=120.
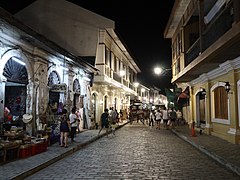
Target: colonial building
x=38 y=78
x=205 y=59
x=113 y=85
x=93 y=38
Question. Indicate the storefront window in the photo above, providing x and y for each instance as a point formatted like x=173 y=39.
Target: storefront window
x=15 y=93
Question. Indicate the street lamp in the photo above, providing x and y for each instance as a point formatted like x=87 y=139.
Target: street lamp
x=122 y=73
x=160 y=70
x=135 y=84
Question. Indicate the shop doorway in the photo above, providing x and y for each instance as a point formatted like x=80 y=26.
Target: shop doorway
x=54 y=101
x=15 y=92
x=54 y=94
x=200 y=109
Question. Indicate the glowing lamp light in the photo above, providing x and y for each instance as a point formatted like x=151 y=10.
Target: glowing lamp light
x=227 y=87
x=136 y=84
x=158 y=70
x=86 y=79
x=122 y=73
x=18 y=61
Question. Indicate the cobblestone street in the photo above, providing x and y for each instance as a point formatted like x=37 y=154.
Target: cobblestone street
x=137 y=152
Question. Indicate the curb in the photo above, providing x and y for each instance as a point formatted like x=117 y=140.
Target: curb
x=214 y=156
x=61 y=156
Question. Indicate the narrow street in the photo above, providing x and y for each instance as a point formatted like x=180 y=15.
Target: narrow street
x=137 y=152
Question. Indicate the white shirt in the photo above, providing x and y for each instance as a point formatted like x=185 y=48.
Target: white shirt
x=158 y=115
x=73 y=120
x=165 y=114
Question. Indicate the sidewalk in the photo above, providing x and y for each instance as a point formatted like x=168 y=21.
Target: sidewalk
x=22 y=168
x=225 y=153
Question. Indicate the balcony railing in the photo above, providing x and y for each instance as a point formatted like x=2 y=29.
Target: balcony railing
x=218 y=27
x=192 y=53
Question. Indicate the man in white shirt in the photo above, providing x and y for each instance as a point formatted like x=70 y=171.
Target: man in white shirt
x=165 y=116
x=73 y=123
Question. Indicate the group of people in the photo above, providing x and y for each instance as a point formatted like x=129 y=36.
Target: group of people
x=168 y=118
x=109 y=119
x=69 y=124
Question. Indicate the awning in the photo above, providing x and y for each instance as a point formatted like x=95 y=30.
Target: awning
x=184 y=95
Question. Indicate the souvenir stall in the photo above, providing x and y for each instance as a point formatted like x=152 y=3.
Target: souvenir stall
x=15 y=143
x=57 y=94
x=16 y=140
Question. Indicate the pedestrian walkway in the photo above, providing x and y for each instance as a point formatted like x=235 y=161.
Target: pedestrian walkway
x=22 y=168
x=220 y=150
x=225 y=153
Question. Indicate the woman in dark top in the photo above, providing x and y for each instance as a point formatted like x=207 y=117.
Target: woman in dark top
x=64 y=129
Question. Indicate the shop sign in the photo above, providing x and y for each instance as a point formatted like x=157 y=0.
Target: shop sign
x=58 y=88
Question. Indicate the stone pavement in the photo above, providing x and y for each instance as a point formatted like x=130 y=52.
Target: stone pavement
x=22 y=168
x=225 y=153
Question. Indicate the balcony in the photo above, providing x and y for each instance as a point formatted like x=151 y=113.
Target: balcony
x=220 y=42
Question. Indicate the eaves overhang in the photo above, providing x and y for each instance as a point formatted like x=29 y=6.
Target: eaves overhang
x=105 y=80
x=177 y=12
x=120 y=43
x=38 y=40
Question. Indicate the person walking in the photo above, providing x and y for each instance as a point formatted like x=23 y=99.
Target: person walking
x=173 y=117
x=64 y=128
x=74 y=123
x=158 y=118
x=179 y=117
x=151 y=118
x=104 y=121
x=78 y=121
x=165 y=117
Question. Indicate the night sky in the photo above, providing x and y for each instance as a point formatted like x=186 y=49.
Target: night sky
x=140 y=24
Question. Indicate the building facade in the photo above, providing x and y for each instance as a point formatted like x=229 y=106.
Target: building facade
x=38 y=78
x=114 y=84
x=205 y=38
x=93 y=38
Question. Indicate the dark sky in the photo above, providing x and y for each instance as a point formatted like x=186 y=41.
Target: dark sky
x=141 y=26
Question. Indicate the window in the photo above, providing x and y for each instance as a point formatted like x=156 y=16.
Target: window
x=221 y=103
x=107 y=57
x=115 y=64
